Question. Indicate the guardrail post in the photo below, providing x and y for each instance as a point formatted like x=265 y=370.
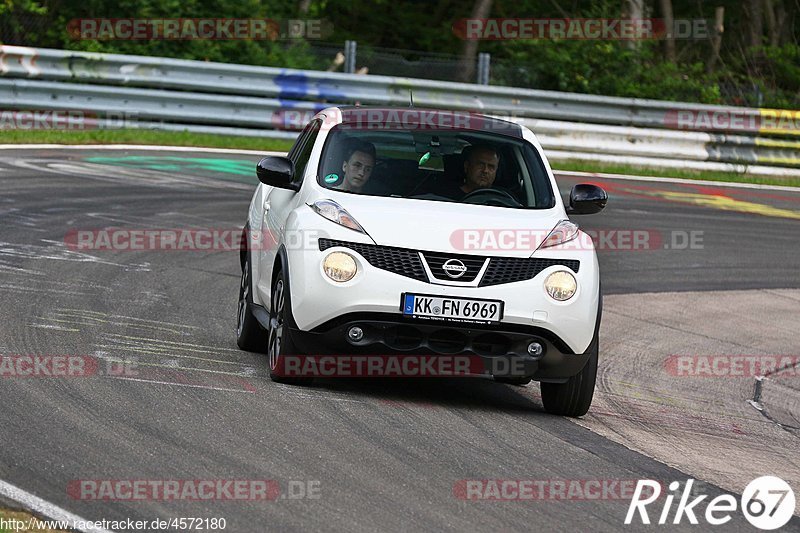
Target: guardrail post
x=350 y=57
x=484 y=60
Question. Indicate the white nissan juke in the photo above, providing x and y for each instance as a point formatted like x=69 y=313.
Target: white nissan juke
x=400 y=231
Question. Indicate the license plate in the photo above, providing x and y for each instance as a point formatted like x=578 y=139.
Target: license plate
x=455 y=309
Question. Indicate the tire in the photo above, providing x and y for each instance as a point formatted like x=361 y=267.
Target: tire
x=574 y=397
x=279 y=343
x=521 y=382
x=250 y=335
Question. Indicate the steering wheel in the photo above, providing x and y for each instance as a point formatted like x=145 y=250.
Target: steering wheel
x=488 y=196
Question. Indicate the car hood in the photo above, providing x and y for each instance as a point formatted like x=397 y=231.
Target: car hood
x=452 y=227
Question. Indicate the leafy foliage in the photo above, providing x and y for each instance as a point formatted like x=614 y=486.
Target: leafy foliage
x=764 y=73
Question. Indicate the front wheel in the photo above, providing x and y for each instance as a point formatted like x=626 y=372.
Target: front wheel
x=573 y=397
x=250 y=335
x=280 y=342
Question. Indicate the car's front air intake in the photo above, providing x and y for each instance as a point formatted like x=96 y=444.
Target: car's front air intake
x=406 y=262
x=398 y=260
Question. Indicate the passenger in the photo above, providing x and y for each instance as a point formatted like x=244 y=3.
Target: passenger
x=357 y=166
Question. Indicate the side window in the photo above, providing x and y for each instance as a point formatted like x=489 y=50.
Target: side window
x=299 y=142
x=301 y=152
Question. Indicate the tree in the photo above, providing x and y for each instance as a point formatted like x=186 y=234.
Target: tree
x=469 y=50
x=669 y=23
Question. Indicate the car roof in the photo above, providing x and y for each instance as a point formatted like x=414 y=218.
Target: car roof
x=369 y=117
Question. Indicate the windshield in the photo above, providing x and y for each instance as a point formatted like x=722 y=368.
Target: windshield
x=445 y=165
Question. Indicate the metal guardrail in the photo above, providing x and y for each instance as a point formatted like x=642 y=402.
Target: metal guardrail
x=223 y=78
x=169 y=94
x=664 y=144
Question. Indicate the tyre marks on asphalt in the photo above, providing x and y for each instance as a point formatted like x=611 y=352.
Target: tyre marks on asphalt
x=704 y=424
x=31 y=221
x=171 y=369
x=48 y=249
x=161 y=347
x=247 y=389
x=54 y=327
x=154 y=351
x=86 y=317
x=176 y=356
x=114 y=173
x=117 y=337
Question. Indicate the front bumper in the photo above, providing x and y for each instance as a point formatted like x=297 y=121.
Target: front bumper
x=317 y=302
x=499 y=350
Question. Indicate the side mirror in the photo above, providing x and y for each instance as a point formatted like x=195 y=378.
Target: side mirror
x=586 y=199
x=277 y=172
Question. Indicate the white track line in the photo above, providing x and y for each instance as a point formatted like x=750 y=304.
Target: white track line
x=44 y=508
x=208 y=387
x=196 y=149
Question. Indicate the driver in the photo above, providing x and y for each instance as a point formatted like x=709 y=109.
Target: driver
x=480 y=167
x=480 y=170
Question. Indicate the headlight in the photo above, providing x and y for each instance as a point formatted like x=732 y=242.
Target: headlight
x=564 y=231
x=336 y=213
x=339 y=266
x=560 y=285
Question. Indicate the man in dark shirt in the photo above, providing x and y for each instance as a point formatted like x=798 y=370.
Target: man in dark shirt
x=480 y=171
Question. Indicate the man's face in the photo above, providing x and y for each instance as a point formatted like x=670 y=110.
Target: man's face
x=481 y=169
x=357 y=171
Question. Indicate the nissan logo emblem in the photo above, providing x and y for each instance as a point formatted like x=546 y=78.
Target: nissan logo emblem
x=454 y=268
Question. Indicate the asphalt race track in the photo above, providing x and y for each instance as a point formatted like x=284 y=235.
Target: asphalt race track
x=719 y=276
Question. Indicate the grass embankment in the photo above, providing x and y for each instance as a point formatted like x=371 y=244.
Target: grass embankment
x=132 y=136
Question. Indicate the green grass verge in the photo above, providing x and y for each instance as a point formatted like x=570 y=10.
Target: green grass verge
x=250 y=143
x=132 y=136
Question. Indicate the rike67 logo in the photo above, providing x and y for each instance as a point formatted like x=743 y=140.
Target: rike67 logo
x=767 y=502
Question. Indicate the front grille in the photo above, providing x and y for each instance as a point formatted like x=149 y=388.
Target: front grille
x=398 y=260
x=407 y=263
x=437 y=260
x=510 y=269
